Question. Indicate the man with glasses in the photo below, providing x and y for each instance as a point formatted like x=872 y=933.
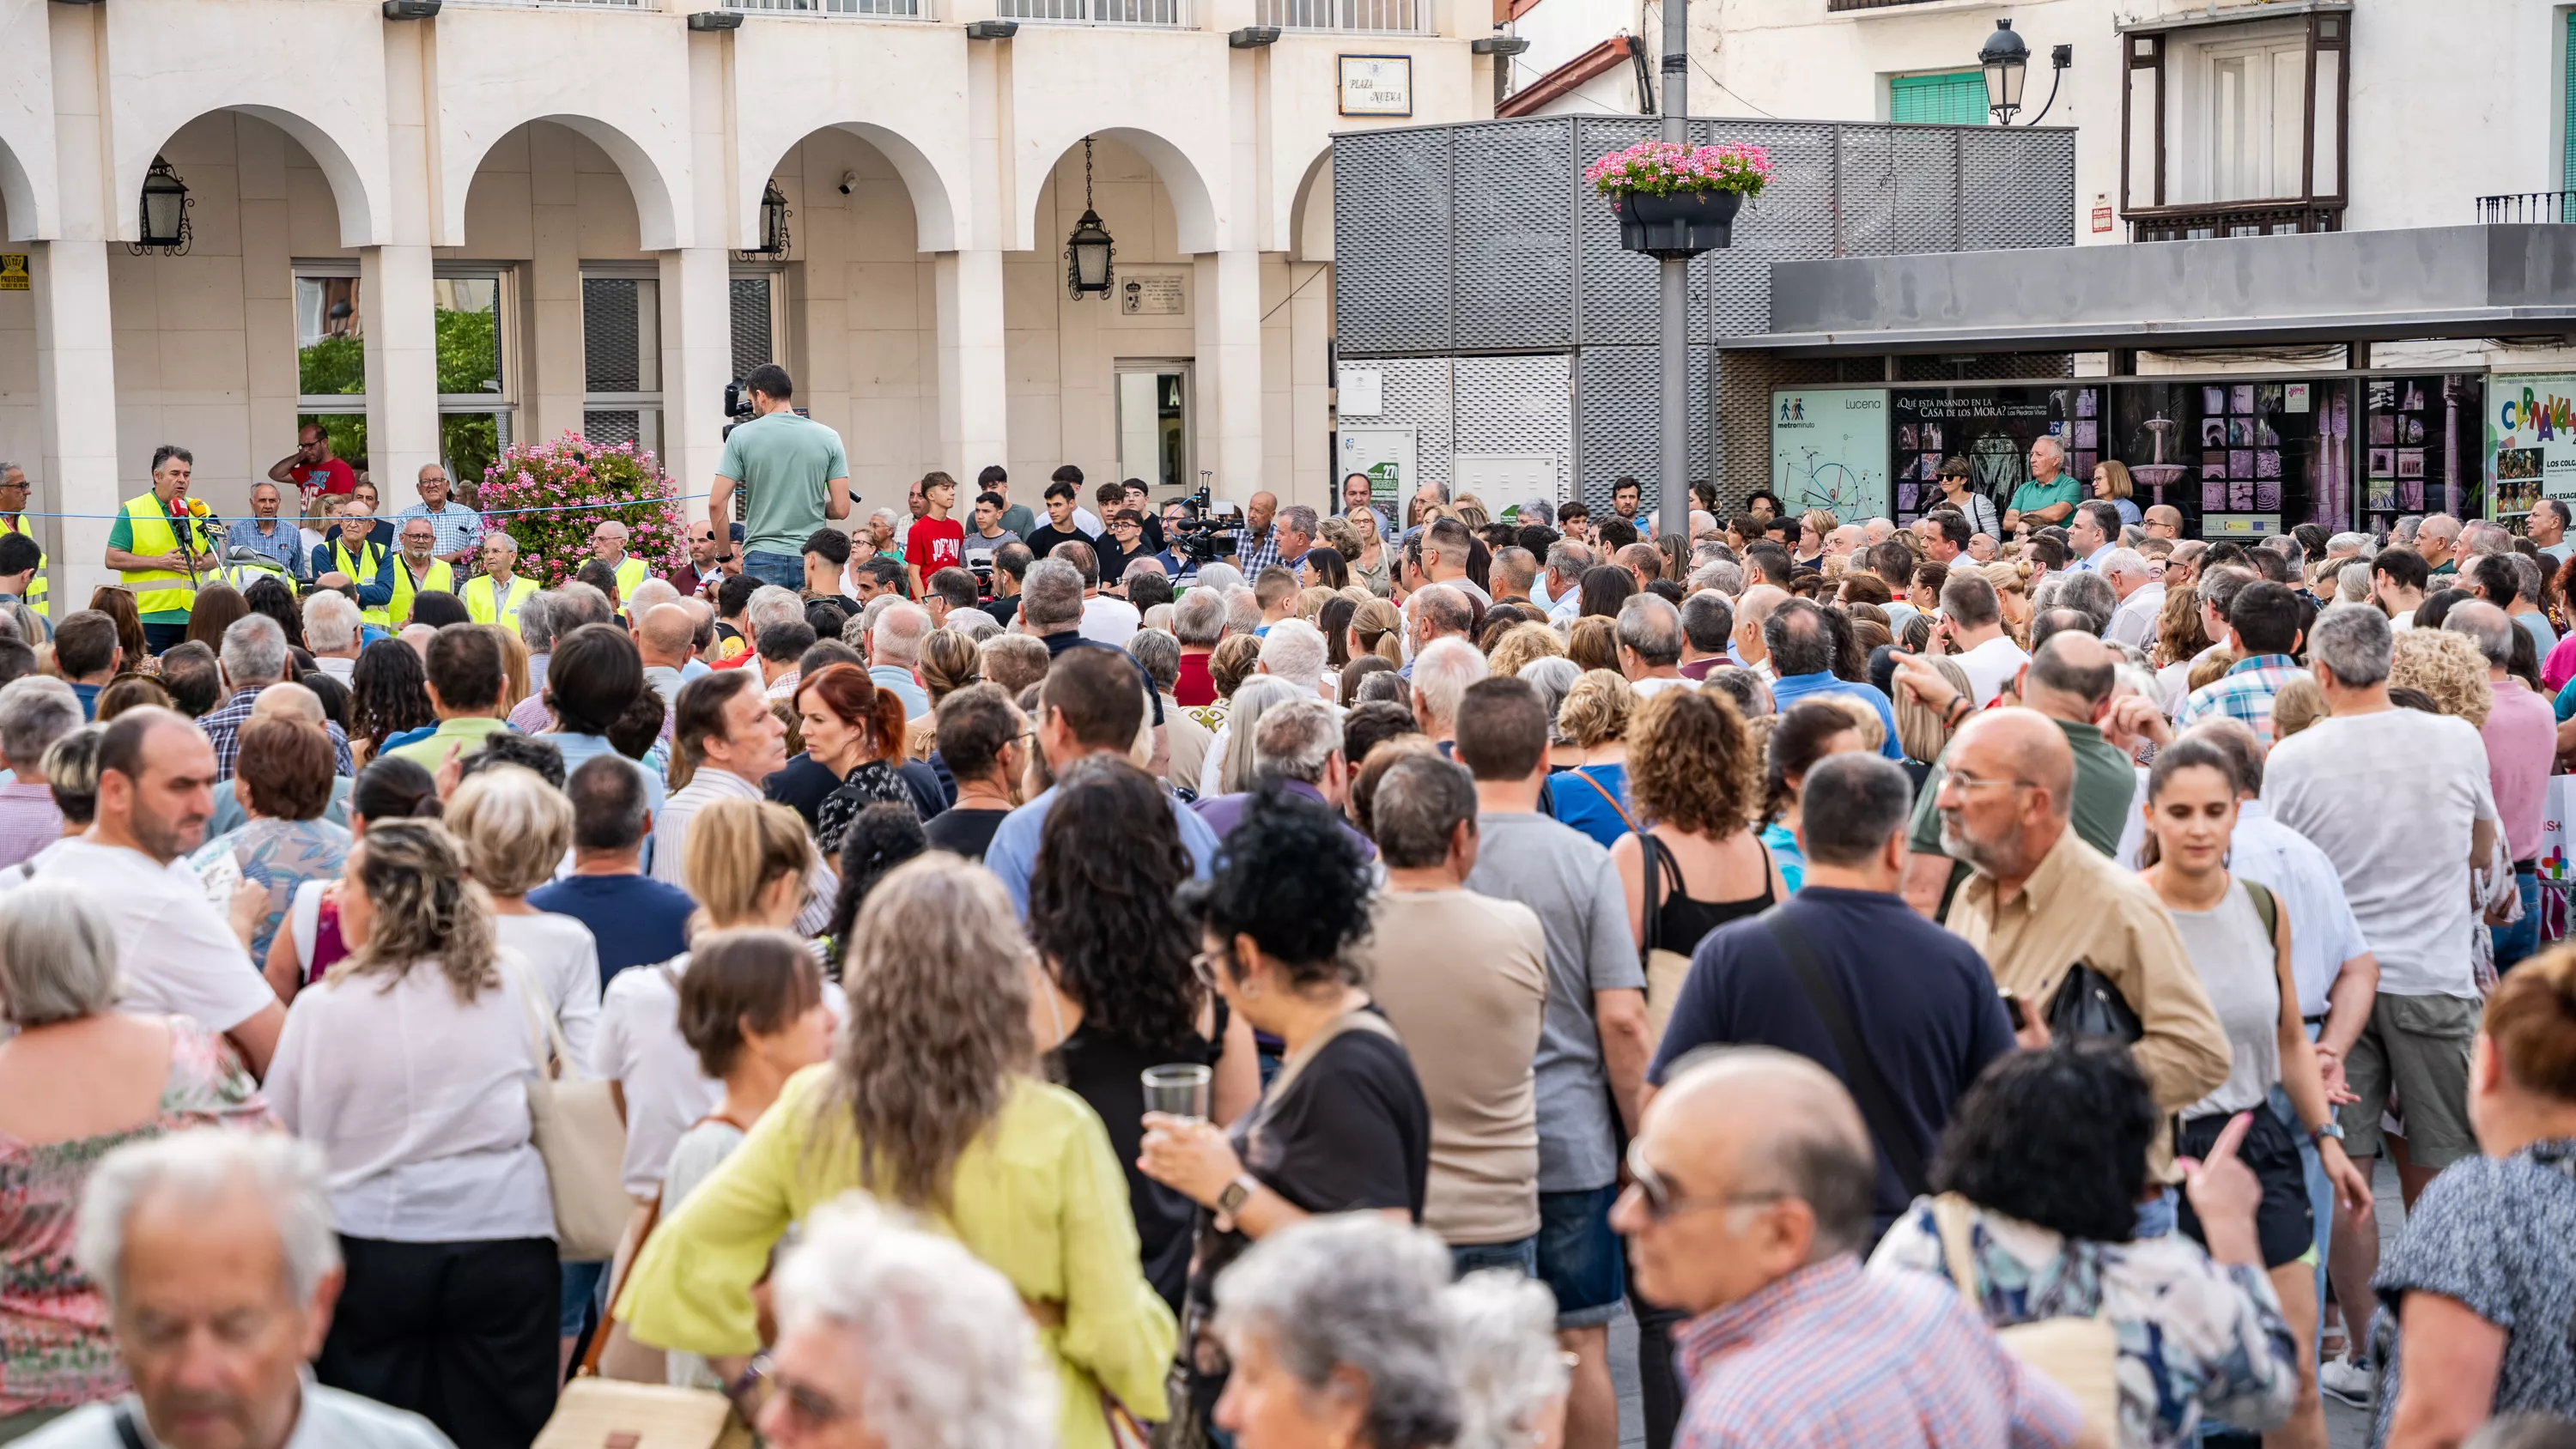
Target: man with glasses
x=353 y=560
x=14 y=519
x=1123 y=545
x=456 y=531
x=1749 y=1209
x=2041 y=901
x=312 y=468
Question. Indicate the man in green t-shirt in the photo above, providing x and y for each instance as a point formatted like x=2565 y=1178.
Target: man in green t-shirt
x=2050 y=495
x=794 y=476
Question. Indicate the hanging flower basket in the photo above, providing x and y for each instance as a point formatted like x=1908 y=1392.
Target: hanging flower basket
x=1678 y=201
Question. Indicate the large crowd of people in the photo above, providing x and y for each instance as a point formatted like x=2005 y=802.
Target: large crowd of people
x=992 y=979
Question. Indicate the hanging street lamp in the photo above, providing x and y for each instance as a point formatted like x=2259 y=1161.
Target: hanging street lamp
x=773 y=226
x=1088 y=250
x=2006 y=60
x=164 y=213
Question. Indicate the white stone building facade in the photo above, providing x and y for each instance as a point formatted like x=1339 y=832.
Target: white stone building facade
x=518 y=220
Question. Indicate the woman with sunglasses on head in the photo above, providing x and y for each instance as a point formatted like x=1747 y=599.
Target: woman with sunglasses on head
x=1344 y=1126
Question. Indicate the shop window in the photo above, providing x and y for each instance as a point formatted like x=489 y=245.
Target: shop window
x=331 y=356
x=2234 y=127
x=1992 y=427
x=1951 y=98
x=621 y=344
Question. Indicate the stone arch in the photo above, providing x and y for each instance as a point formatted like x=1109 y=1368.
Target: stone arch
x=29 y=218
x=365 y=218
x=658 y=216
x=1311 y=203
x=934 y=209
x=1194 y=213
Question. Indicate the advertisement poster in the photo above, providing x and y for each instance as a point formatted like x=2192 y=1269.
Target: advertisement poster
x=2531 y=440
x=1386 y=456
x=1829 y=450
x=1992 y=428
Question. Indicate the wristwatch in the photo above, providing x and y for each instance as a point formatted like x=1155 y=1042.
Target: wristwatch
x=1231 y=1200
x=2331 y=1129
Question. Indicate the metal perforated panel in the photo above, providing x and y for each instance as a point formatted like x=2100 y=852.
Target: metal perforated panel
x=1618 y=288
x=753 y=339
x=612 y=428
x=1416 y=394
x=611 y=359
x=1984 y=366
x=1793 y=218
x=2017 y=188
x=1618 y=395
x=1391 y=230
x=1510 y=218
x=1899 y=189
x=1516 y=405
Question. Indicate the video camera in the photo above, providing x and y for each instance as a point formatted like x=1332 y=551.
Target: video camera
x=1203 y=537
x=738 y=409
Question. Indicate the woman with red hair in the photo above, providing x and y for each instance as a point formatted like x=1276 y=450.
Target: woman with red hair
x=855 y=730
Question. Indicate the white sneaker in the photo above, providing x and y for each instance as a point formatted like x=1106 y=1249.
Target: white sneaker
x=2347 y=1382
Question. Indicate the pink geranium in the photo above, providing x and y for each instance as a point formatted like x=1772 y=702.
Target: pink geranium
x=549 y=496
x=1660 y=168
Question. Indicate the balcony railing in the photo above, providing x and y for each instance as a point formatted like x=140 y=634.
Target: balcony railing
x=1165 y=14
x=2233 y=218
x=1392 y=17
x=875 y=9
x=2541 y=206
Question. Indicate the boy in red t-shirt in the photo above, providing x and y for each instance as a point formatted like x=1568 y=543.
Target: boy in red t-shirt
x=936 y=541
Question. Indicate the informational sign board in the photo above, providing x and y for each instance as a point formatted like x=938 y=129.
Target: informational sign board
x=1385 y=455
x=13 y=271
x=1360 y=392
x=1829 y=450
x=1152 y=294
x=2531 y=440
x=1377 y=85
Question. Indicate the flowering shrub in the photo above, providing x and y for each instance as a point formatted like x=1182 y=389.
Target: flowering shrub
x=589 y=482
x=1660 y=168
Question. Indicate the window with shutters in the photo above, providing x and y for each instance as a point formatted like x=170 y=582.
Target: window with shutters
x=1949 y=98
x=621 y=350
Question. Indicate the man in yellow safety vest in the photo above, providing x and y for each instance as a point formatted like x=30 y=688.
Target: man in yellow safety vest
x=350 y=561
x=494 y=595
x=418 y=569
x=14 y=519
x=608 y=545
x=160 y=548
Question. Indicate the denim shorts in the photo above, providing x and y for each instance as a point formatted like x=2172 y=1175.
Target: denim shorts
x=1580 y=1258
x=785 y=570
x=1520 y=1255
x=582 y=1284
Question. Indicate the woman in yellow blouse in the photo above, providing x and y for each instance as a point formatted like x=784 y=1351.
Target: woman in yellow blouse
x=932 y=1075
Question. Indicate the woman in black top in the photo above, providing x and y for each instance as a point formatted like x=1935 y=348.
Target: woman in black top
x=1121 y=994
x=1344 y=1126
x=980 y=735
x=1693 y=779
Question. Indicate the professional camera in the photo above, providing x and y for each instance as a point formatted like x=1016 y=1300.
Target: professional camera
x=1202 y=537
x=737 y=406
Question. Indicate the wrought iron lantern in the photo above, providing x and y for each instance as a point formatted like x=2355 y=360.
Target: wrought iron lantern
x=2006 y=59
x=164 y=213
x=1089 y=250
x=773 y=225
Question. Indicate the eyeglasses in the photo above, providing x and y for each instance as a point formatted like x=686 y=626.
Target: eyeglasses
x=1971 y=782
x=762 y=1385
x=1662 y=1205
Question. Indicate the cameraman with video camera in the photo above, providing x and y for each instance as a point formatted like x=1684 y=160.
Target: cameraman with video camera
x=794 y=475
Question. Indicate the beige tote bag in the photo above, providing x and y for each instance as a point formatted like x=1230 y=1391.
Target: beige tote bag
x=574 y=1124
x=2079 y=1355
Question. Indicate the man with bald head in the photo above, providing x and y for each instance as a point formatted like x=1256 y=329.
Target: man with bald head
x=663 y=637
x=2042 y=900
x=2069 y=680
x=1256 y=543
x=1749 y=1210
x=1752 y=611
x=2163 y=520
x=2050 y=496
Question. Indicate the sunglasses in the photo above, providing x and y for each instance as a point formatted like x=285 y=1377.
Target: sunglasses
x=1662 y=1203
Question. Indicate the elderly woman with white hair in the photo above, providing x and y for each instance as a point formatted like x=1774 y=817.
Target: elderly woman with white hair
x=1294 y=650
x=1335 y=1330
x=76 y=1077
x=891 y=1334
x=1231 y=771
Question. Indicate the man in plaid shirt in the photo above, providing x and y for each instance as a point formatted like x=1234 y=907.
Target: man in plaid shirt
x=254 y=657
x=1750 y=1205
x=2262 y=628
x=459 y=529
x=1256 y=544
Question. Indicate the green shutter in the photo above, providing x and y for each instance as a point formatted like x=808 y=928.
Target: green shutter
x=1954 y=98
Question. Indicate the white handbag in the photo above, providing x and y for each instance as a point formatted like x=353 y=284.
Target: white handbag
x=2079 y=1355
x=574 y=1123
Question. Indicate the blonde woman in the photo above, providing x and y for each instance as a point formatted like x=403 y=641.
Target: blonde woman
x=1521 y=646
x=1378 y=628
x=2445 y=665
x=516 y=829
x=949 y=662
x=2012 y=596
x=931 y=1103
x=1813 y=525
x=2111 y=482
x=1368 y=560
x=1311 y=601
x=408 y=1065
x=1593 y=796
x=514 y=667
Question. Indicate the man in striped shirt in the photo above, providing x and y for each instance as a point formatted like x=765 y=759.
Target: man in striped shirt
x=1749 y=1209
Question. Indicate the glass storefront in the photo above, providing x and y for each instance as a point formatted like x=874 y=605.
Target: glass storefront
x=2241 y=457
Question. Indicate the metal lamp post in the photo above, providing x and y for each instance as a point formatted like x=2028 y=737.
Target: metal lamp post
x=1673 y=484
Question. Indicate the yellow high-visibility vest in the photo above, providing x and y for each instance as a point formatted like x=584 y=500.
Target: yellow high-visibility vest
x=35 y=595
x=159 y=591
x=371 y=559
x=631 y=574
x=441 y=578
x=478 y=595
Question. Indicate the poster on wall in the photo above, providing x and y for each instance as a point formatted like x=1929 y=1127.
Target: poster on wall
x=2531 y=441
x=1990 y=427
x=1829 y=450
x=1386 y=456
